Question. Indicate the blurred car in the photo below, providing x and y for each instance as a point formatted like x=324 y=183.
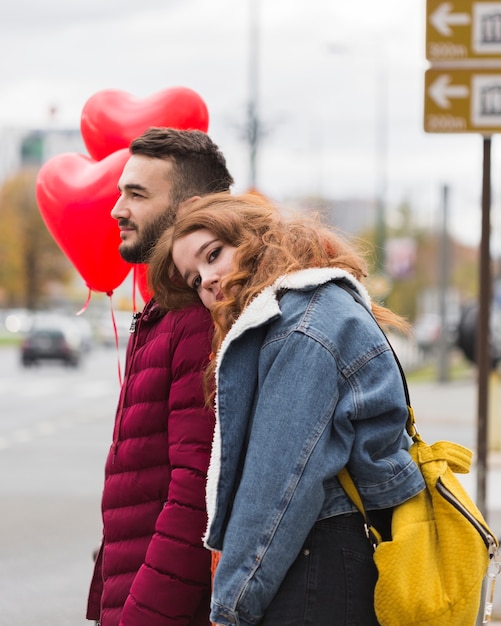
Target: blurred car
x=467 y=332
x=428 y=330
x=15 y=320
x=104 y=328
x=53 y=340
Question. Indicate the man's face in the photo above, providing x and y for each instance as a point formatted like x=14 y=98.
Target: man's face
x=144 y=208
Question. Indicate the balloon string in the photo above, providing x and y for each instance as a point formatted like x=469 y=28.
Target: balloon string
x=84 y=308
x=115 y=331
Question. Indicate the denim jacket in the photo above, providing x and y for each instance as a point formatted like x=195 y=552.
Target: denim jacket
x=306 y=383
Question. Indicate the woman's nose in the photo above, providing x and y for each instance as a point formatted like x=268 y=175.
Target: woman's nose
x=209 y=281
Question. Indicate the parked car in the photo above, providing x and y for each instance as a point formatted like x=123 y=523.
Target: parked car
x=428 y=329
x=15 y=321
x=54 y=340
x=104 y=329
x=467 y=332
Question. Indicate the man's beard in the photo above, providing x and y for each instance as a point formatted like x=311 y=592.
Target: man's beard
x=140 y=251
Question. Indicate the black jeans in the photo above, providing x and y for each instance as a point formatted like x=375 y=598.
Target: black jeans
x=331 y=583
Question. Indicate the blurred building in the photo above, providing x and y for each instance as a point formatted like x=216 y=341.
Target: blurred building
x=351 y=215
x=20 y=147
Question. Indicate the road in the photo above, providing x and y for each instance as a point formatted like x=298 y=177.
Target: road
x=55 y=430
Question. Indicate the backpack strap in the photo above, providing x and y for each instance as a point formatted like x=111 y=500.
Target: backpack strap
x=349 y=487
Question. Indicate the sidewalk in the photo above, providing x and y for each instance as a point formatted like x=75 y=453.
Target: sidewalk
x=448 y=411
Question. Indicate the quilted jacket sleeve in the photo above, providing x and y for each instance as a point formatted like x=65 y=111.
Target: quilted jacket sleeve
x=173 y=585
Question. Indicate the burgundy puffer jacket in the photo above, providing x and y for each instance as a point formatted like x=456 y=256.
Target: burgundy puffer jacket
x=152 y=569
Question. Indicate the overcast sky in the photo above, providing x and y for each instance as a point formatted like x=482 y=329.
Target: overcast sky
x=337 y=82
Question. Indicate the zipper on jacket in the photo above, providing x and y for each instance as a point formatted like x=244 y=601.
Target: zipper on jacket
x=135 y=317
x=488 y=539
x=131 y=350
x=114 y=448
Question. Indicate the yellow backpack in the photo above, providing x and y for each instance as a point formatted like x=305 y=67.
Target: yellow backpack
x=432 y=570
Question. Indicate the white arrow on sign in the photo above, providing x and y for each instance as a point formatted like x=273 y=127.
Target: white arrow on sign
x=441 y=90
x=443 y=17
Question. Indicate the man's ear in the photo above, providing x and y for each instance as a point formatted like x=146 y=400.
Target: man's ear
x=185 y=205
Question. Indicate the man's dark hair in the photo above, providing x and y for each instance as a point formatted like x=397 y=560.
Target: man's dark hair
x=199 y=167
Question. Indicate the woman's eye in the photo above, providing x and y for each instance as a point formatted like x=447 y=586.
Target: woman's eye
x=213 y=255
x=196 y=283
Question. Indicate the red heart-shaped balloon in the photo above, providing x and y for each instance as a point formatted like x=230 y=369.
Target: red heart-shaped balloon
x=111 y=119
x=75 y=196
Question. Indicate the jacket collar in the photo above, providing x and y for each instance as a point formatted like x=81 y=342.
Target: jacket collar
x=265 y=305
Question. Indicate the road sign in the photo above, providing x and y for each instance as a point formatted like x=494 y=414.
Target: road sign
x=462 y=101
x=463 y=29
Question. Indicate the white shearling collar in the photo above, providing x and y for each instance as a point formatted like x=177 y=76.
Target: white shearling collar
x=265 y=305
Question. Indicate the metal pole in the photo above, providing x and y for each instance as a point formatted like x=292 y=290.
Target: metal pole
x=483 y=335
x=443 y=373
x=382 y=160
x=253 y=128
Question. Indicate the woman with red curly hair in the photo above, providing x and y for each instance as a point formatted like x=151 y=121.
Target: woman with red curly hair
x=304 y=383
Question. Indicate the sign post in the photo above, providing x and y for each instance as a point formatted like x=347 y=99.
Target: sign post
x=463 y=95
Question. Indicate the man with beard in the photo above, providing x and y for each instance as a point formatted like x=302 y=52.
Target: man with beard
x=152 y=569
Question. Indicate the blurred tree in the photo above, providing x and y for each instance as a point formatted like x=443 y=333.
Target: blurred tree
x=405 y=291
x=30 y=259
x=463 y=277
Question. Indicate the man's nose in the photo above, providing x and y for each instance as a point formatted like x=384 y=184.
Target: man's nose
x=120 y=209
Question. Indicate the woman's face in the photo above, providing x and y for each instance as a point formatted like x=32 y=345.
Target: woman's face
x=203 y=261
